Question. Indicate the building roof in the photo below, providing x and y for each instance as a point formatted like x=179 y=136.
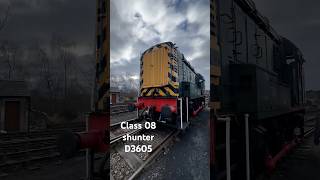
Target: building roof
x=10 y=88
x=114 y=90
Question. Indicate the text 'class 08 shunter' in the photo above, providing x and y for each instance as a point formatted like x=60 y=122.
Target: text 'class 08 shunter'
x=170 y=89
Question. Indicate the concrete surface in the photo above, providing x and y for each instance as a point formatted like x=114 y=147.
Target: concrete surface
x=187 y=158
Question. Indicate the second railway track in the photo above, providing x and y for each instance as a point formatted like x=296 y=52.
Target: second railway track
x=118 y=109
x=22 y=149
x=128 y=165
x=116 y=132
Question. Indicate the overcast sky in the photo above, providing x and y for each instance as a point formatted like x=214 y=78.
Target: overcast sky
x=37 y=20
x=299 y=21
x=140 y=24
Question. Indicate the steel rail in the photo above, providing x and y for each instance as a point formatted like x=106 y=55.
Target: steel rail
x=156 y=151
x=119 y=137
x=118 y=123
x=308 y=132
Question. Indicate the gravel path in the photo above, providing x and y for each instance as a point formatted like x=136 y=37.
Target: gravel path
x=120 y=170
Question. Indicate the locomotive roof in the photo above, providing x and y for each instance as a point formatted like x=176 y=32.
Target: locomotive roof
x=250 y=8
x=187 y=63
x=172 y=45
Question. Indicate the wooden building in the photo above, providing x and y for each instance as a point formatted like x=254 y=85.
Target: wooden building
x=14 y=106
x=114 y=95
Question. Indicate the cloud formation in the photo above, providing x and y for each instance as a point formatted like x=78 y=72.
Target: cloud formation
x=298 y=21
x=138 y=25
x=36 y=20
x=142 y=23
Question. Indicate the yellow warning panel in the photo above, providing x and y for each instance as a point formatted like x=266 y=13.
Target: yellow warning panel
x=155 y=68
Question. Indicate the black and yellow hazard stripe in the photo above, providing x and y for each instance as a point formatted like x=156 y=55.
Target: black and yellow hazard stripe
x=173 y=88
x=165 y=91
x=215 y=73
x=101 y=97
x=215 y=68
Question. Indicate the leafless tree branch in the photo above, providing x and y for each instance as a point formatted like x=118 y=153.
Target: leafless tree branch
x=4 y=21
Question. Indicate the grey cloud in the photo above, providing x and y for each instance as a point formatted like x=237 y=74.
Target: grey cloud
x=298 y=21
x=126 y=34
x=38 y=19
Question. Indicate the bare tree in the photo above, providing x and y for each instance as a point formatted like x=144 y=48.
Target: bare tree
x=4 y=20
x=46 y=70
x=9 y=53
x=48 y=77
x=133 y=84
x=127 y=85
x=62 y=49
x=114 y=81
x=124 y=81
x=3 y=50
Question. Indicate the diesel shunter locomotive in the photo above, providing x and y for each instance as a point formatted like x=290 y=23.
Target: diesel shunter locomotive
x=257 y=82
x=170 y=89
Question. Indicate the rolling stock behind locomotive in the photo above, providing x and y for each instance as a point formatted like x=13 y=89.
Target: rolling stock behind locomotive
x=170 y=89
x=254 y=71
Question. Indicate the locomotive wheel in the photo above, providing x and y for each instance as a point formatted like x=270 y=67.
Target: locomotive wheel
x=166 y=114
x=131 y=107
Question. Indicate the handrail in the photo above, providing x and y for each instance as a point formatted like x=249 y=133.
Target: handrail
x=228 y=166
x=227 y=120
x=246 y=119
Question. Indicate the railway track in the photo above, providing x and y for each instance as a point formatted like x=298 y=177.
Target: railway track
x=118 y=109
x=24 y=149
x=308 y=132
x=118 y=123
x=50 y=131
x=116 y=132
x=128 y=165
x=36 y=134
